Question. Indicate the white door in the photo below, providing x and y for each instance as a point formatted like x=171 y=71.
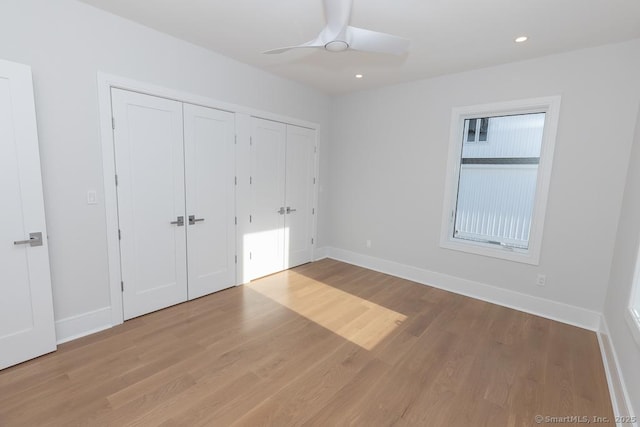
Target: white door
x=149 y=152
x=300 y=167
x=266 y=230
x=209 y=157
x=26 y=308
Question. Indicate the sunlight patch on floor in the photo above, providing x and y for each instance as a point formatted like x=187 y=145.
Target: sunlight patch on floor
x=358 y=320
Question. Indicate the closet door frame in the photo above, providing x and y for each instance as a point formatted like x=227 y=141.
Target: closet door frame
x=105 y=83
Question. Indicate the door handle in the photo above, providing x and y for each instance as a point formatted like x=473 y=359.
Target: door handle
x=193 y=219
x=289 y=210
x=179 y=221
x=35 y=239
x=281 y=211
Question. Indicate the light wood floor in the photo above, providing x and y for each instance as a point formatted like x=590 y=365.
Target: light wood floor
x=323 y=344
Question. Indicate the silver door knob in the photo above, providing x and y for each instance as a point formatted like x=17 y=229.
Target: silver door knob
x=281 y=211
x=193 y=219
x=289 y=210
x=35 y=239
x=179 y=221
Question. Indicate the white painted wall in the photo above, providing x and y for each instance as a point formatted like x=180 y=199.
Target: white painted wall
x=389 y=155
x=621 y=279
x=67 y=43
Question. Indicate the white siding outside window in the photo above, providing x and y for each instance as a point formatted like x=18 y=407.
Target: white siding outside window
x=495 y=203
x=498 y=181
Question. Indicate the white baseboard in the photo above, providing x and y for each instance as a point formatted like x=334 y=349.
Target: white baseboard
x=554 y=310
x=620 y=399
x=78 y=326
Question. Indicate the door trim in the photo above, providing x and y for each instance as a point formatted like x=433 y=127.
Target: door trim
x=105 y=83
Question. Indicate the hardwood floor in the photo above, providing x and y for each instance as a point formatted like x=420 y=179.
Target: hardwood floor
x=323 y=344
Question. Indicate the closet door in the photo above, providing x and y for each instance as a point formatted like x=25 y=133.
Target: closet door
x=148 y=142
x=266 y=236
x=209 y=157
x=26 y=308
x=300 y=167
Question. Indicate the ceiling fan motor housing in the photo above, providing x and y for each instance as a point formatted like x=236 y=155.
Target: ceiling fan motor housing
x=337 y=46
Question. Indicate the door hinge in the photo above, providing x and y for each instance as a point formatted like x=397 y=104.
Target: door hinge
x=251 y=140
x=236 y=259
x=236 y=220
x=314 y=180
x=116 y=180
x=312 y=240
x=235 y=180
x=119 y=235
x=113 y=123
x=122 y=286
x=313 y=211
x=250 y=255
x=315 y=149
x=250 y=180
x=250 y=219
x=235 y=140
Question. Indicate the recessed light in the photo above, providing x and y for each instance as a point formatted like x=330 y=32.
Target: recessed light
x=359 y=76
x=521 y=39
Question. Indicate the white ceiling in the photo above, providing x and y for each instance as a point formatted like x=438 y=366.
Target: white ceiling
x=446 y=35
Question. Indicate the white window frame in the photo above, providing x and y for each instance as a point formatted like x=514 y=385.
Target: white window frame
x=548 y=105
x=632 y=314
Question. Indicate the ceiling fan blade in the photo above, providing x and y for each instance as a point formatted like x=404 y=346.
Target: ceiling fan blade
x=312 y=43
x=373 y=41
x=338 y=13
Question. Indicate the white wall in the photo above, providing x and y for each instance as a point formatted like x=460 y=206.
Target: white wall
x=67 y=43
x=387 y=154
x=388 y=164
x=621 y=279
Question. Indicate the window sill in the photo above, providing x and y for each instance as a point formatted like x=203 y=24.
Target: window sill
x=633 y=321
x=493 y=251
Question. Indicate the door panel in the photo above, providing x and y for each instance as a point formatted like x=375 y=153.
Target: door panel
x=300 y=166
x=26 y=308
x=209 y=145
x=150 y=166
x=266 y=231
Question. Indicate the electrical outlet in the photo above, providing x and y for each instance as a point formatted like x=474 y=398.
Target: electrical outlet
x=368 y=243
x=542 y=280
x=92 y=197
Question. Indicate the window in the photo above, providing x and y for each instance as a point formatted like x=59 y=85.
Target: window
x=633 y=313
x=499 y=169
x=476 y=130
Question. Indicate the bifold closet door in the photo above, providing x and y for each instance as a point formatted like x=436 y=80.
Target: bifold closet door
x=209 y=137
x=266 y=237
x=149 y=152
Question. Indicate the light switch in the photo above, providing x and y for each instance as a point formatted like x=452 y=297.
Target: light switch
x=92 y=197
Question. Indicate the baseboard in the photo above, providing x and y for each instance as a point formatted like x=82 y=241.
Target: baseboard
x=554 y=310
x=78 y=326
x=620 y=399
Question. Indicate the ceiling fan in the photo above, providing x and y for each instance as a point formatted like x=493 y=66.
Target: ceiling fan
x=339 y=36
